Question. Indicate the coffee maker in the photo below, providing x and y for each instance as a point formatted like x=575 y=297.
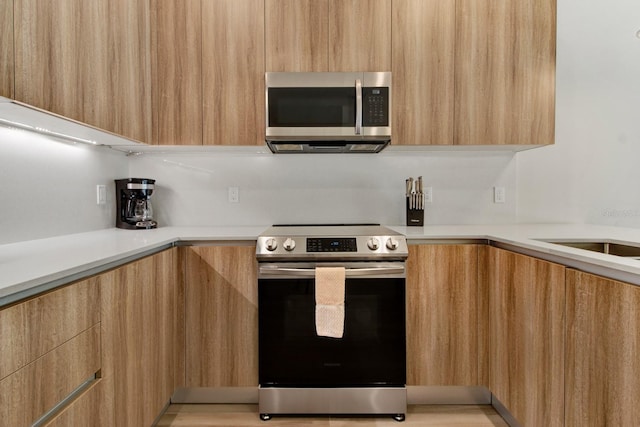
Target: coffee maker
x=134 y=210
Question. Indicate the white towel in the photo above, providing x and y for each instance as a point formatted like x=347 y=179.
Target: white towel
x=330 y=301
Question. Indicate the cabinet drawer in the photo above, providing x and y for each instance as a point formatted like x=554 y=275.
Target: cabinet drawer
x=30 y=329
x=83 y=411
x=30 y=392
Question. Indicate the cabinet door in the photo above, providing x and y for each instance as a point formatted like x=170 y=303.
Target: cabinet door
x=61 y=58
x=142 y=343
x=526 y=330
x=233 y=72
x=129 y=62
x=86 y=60
x=296 y=35
x=221 y=308
x=505 y=72
x=360 y=35
x=602 y=364
x=442 y=315
x=423 y=71
x=177 y=72
x=6 y=48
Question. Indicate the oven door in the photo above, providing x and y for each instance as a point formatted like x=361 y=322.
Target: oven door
x=372 y=351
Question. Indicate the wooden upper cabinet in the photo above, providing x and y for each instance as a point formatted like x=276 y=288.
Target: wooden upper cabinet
x=360 y=35
x=233 y=72
x=61 y=58
x=176 y=34
x=602 y=363
x=505 y=72
x=86 y=60
x=328 y=35
x=6 y=48
x=423 y=71
x=129 y=60
x=296 y=35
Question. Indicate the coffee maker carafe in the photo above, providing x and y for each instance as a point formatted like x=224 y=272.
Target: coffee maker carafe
x=134 y=210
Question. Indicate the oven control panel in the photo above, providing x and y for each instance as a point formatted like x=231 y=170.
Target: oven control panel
x=329 y=244
x=361 y=247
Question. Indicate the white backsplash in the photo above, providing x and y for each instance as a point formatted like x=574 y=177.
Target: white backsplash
x=48 y=188
x=192 y=188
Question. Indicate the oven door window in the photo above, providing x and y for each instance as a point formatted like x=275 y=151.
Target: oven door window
x=371 y=353
x=312 y=107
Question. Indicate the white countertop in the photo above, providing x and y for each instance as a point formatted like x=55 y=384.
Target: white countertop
x=34 y=266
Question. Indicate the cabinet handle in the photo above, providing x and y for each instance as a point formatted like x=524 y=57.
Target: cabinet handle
x=358 y=107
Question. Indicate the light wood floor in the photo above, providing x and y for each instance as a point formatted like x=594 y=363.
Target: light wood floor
x=247 y=416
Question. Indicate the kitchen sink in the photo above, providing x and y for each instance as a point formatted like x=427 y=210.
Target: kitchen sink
x=627 y=250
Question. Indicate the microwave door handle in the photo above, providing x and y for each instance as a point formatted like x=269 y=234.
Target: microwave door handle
x=358 y=107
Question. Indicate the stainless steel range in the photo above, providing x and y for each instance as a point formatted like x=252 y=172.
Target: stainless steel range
x=331 y=304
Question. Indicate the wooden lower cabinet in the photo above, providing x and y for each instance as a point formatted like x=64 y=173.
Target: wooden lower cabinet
x=221 y=308
x=29 y=393
x=49 y=346
x=526 y=333
x=85 y=410
x=442 y=315
x=603 y=352
x=142 y=339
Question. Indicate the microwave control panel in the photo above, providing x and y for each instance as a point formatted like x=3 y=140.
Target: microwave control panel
x=375 y=101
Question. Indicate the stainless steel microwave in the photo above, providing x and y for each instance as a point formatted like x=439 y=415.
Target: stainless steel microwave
x=328 y=112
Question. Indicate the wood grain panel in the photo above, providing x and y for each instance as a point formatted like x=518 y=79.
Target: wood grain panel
x=527 y=298
x=221 y=316
x=360 y=35
x=296 y=35
x=61 y=58
x=30 y=329
x=423 y=71
x=85 y=410
x=233 y=72
x=484 y=342
x=442 y=315
x=141 y=309
x=505 y=72
x=6 y=49
x=602 y=363
x=129 y=61
x=30 y=392
x=177 y=66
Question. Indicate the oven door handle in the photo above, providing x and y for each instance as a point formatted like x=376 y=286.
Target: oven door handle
x=349 y=272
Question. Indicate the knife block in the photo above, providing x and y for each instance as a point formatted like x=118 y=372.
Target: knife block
x=415 y=217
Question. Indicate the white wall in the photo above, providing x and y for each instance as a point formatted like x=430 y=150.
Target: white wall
x=592 y=174
x=48 y=188
x=192 y=188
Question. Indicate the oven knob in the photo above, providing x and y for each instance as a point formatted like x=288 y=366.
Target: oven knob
x=373 y=243
x=289 y=244
x=271 y=244
x=392 y=244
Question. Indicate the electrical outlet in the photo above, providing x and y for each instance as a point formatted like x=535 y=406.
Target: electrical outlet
x=101 y=194
x=499 y=195
x=234 y=195
x=428 y=194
